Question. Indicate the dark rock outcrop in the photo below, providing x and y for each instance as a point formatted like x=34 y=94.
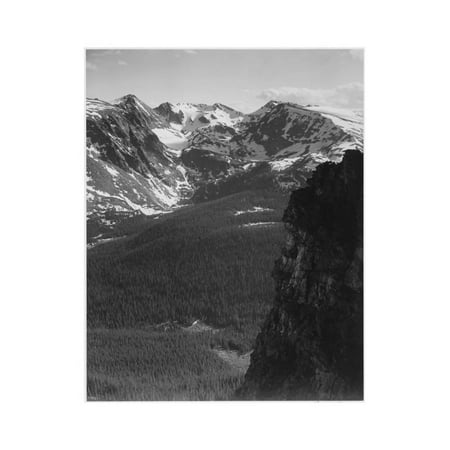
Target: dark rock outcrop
x=165 y=110
x=311 y=344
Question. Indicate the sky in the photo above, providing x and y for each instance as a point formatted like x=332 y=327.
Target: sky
x=242 y=79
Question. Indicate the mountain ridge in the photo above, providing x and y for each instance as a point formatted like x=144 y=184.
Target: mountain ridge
x=143 y=160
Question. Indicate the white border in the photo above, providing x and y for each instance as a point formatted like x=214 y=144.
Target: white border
x=406 y=248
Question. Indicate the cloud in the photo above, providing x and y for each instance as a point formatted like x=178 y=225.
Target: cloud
x=191 y=52
x=346 y=95
x=91 y=66
x=121 y=62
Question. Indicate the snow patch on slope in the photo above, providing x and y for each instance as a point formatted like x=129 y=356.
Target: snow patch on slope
x=351 y=121
x=259 y=224
x=174 y=139
x=255 y=209
x=200 y=115
x=282 y=164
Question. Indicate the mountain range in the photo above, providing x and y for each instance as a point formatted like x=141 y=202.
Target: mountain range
x=151 y=161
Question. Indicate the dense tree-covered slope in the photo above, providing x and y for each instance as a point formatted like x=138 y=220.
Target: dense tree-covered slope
x=209 y=261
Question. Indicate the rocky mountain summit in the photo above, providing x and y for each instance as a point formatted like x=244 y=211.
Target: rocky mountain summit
x=128 y=168
x=311 y=344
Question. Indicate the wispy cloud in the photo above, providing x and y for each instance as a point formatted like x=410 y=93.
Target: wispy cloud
x=191 y=52
x=121 y=62
x=347 y=95
x=91 y=66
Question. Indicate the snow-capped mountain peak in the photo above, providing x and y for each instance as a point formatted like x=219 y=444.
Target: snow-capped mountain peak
x=188 y=117
x=149 y=159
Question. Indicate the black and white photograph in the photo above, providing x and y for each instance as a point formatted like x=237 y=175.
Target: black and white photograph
x=224 y=202
x=224 y=225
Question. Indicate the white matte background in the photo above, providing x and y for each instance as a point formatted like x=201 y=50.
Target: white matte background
x=406 y=227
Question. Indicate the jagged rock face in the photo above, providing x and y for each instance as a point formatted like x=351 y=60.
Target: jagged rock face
x=311 y=344
x=165 y=110
x=129 y=170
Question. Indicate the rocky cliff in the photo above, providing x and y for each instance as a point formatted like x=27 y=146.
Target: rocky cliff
x=311 y=344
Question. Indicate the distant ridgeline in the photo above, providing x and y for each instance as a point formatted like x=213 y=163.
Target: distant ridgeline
x=311 y=344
